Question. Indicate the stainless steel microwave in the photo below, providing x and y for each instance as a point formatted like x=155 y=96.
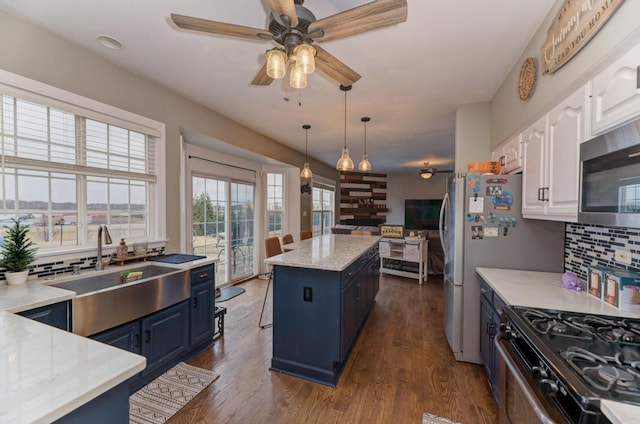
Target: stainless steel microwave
x=610 y=178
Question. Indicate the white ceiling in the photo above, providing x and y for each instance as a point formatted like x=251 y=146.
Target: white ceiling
x=414 y=73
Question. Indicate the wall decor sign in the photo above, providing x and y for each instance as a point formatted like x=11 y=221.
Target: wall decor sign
x=575 y=24
x=392 y=231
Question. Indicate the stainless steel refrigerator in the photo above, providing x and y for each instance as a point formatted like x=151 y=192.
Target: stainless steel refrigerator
x=481 y=225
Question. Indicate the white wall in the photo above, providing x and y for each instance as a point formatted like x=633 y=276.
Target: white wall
x=401 y=187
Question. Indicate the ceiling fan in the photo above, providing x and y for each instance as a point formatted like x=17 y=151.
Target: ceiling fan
x=296 y=29
x=428 y=172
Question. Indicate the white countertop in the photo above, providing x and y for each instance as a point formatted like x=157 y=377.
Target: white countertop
x=331 y=252
x=47 y=372
x=544 y=290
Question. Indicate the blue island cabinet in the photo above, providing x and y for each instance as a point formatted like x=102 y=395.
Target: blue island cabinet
x=318 y=315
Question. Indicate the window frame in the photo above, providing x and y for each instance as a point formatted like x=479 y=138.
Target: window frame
x=34 y=91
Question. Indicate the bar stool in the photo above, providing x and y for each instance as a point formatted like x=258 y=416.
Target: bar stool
x=305 y=235
x=287 y=239
x=272 y=248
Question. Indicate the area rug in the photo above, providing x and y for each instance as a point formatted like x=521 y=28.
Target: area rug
x=229 y=293
x=159 y=400
x=434 y=419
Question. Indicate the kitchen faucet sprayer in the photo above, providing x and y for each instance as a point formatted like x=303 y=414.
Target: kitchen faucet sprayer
x=100 y=264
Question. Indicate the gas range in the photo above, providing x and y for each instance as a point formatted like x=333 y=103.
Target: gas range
x=576 y=359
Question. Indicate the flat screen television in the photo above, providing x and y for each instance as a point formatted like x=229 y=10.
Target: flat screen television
x=422 y=214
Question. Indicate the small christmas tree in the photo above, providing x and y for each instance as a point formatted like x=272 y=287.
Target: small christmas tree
x=18 y=251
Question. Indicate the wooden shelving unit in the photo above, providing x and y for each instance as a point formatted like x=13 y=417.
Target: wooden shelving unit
x=357 y=188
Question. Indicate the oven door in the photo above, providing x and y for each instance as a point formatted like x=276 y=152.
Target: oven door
x=521 y=401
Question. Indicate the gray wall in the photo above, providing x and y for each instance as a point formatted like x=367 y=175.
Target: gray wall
x=510 y=114
x=401 y=187
x=45 y=57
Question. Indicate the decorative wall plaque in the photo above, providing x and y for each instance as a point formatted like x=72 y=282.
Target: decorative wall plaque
x=527 y=80
x=575 y=24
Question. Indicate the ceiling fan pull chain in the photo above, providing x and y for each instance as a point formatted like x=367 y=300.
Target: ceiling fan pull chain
x=299 y=97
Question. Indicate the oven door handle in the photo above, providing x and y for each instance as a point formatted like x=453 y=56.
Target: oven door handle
x=517 y=375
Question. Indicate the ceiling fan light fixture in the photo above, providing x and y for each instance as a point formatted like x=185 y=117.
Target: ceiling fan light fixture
x=297 y=78
x=276 y=60
x=305 y=54
x=426 y=174
x=306 y=169
x=365 y=165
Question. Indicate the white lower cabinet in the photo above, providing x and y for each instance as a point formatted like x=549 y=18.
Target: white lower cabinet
x=616 y=93
x=551 y=161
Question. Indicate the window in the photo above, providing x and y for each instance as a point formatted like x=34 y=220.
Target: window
x=323 y=207
x=275 y=204
x=223 y=225
x=65 y=172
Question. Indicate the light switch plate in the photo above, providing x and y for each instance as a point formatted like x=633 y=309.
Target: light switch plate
x=622 y=256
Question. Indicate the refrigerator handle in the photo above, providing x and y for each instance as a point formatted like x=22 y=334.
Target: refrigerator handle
x=443 y=207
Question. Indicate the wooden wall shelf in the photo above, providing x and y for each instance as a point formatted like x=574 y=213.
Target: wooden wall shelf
x=361 y=186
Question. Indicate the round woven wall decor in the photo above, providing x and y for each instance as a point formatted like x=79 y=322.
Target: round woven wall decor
x=527 y=80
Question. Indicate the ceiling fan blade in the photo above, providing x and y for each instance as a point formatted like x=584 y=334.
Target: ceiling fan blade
x=333 y=68
x=286 y=8
x=360 y=19
x=221 y=28
x=261 y=77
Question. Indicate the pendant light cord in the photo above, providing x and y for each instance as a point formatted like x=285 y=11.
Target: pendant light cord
x=345 y=119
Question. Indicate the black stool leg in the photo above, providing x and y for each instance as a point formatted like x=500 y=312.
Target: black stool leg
x=264 y=303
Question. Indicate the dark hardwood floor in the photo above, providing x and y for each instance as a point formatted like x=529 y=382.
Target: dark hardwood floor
x=401 y=367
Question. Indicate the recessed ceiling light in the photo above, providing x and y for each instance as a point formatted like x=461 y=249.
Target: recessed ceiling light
x=110 y=42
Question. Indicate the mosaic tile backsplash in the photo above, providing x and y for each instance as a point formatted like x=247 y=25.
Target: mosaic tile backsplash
x=587 y=245
x=56 y=268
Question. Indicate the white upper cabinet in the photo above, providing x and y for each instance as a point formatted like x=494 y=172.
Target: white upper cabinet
x=509 y=154
x=551 y=161
x=534 y=171
x=616 y=93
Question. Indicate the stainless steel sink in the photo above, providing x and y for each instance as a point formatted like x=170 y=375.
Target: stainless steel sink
x=104 y=301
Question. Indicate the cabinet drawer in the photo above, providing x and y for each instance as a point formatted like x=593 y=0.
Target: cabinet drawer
x=486 y=291
x=203 y=273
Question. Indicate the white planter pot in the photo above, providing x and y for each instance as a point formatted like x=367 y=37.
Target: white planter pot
x=16 y=278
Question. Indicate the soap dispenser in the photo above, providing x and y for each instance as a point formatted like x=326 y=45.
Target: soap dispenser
x=122 y=251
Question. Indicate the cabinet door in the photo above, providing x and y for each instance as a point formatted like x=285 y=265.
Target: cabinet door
x=56 y=315
x=125 y=337
x=512 y=155
x=164 y=335
x=566 y=132
x=349 y=308
x=616 y=97
x=533 y=174
x=202 y=319
x=486 y=338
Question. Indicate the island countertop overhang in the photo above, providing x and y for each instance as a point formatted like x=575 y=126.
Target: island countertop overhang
x=330 y=252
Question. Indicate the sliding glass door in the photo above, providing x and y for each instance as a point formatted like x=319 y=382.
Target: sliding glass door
x=222 y=219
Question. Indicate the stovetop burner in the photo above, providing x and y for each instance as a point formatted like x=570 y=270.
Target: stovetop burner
x=556 y=325
x=615 y=375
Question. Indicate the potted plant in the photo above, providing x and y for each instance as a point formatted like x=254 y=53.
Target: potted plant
x=17 y=253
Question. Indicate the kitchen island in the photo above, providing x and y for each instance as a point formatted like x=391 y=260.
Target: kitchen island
x=323 y=289
x=544 y=290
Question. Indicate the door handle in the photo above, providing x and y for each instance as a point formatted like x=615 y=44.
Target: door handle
x=136 y=340
x=147 y=336
x=195 y=302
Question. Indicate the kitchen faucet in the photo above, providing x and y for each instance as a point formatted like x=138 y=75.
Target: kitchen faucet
x=100 y=264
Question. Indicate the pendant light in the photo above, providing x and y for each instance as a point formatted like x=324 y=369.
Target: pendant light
x=306 y=169
x=345 y=163
x=365 y=165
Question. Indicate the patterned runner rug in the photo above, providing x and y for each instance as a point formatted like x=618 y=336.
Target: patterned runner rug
x=434 y=419
x=159 y=400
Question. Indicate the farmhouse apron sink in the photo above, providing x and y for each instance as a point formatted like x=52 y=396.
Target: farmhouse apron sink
x=104 y=301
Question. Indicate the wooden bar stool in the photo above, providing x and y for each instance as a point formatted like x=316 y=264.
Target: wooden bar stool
x=305 y=235
x=287 y=239
x=272 y=248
